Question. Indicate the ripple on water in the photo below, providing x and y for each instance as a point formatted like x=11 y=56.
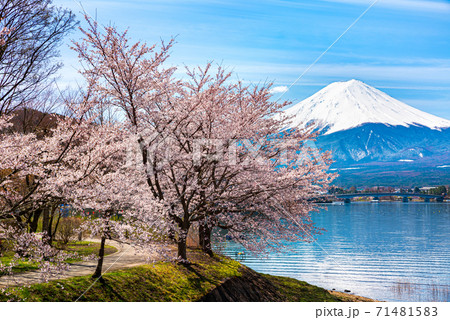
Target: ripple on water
x=387 y=251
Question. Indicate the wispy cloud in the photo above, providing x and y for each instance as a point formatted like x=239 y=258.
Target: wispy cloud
x=417 y=5
x=285 y=73
x=279 y=89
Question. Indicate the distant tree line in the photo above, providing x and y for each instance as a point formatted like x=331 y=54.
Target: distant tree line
x=171 y=153
x=440 y=190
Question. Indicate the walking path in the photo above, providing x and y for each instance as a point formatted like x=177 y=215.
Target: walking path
x=125 y=257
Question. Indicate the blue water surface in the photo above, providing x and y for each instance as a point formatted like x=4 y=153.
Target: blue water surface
x=389 y=251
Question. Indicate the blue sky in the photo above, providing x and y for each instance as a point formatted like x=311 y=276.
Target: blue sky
x=401 y=47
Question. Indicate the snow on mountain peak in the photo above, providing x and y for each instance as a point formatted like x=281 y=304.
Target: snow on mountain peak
x=348 y=104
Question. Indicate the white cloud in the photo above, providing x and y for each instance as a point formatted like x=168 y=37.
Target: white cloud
x=286 y=73
x=429 y=5
x=279 y=89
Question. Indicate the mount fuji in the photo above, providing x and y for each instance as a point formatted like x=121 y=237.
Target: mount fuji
x=376 y=139
x=344 y=105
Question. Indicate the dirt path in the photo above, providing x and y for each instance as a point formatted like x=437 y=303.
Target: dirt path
x=125 y=257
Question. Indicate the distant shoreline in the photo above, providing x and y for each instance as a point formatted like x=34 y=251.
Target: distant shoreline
x=387 y=201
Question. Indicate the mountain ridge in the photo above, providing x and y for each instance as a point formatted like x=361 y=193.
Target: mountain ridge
x=375 y=139
x=349 y=104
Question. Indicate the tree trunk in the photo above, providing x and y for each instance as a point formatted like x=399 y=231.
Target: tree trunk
x=101 y=254
x=204 y=235
x=52 y=231
x=181 y=240
x=201 y=234
x=50 y=226
x=45 y=220
x=171 y=235
x=182 y=248
x=34 y=219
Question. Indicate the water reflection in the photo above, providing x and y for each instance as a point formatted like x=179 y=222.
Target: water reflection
x=385 y=251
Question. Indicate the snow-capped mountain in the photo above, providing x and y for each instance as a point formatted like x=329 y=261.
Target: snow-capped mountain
x=374 y=138
x=344 y=105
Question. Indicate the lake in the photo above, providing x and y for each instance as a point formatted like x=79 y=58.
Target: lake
x=388 y=251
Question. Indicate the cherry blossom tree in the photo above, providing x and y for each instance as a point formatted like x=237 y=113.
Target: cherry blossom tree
x=257 y=188
x=255 y=178
x=71 y=165
x=125 y=211
x=79 y=161
x=130 y=78
x=232 y=165
x=33 y=248
x=18 y=184
x=31 y=32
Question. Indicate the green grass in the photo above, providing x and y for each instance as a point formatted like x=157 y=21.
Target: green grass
x=86 y=248
x=299 y=291
x=163 y=281
x=22 y=266
x=83 y=248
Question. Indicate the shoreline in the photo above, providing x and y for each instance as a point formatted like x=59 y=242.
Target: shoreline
x=348 y=297
x=216 y=279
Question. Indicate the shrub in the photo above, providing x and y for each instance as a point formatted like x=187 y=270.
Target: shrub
x=68 y=230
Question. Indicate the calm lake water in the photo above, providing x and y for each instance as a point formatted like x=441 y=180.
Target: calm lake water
x=388 y=251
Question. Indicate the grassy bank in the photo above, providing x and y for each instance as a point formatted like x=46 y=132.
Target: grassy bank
x=82 y=248
x=167 y=281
